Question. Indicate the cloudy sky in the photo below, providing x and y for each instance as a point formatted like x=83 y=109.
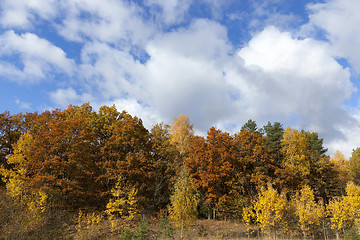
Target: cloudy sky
x=219 y=62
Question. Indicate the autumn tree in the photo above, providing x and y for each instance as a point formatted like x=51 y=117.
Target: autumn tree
x=271 y=210
x=253 y=164
x=105 y=120
x=164 y=156
x=354 y=166
x=341 y=166
x=230 y=169
x=126 y=154
x=295 y=151
x=14 y=177
x=309 y=213
x=345 y=210
x=304 y=162
x=61 y=158
x=181 y=134
x=209 y=163
x=28 y=207
x=123 y=202
x=184 y=201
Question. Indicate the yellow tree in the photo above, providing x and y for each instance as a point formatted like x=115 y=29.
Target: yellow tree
x=271 y=209
x=123 y=202
x=294 y=149
x=14 y=177
x=308 y=211
x=341 y=165
x=182 y=134
x=345 y=211
x=184 y=201
x=30 y=205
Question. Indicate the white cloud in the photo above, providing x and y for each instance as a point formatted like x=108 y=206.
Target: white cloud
x=111 y=72
x=269 y=13
x=148 y=115
x=184 y=73
x=338 y=19
x=65 y=97
x=23 y=13
x=297 y=79
x=351 y=141
x=111 y=21
x=171 y=11
x=37 y=55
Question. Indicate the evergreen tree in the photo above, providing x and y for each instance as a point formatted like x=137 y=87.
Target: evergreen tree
x=251 y=126
x=274 y=133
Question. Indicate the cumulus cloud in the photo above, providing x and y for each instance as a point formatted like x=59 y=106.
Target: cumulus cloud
x=24 y=13
x=111 y=21
x=338 y=19
x=148 y=115
x=67 y=96
x=297 y=79
x=111 y=72
x=37 y=56
x=184 y=73
x=352 y=140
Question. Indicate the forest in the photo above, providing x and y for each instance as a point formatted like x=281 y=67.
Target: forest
x=78 y=173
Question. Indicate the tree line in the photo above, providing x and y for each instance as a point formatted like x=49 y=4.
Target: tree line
x=107 y=161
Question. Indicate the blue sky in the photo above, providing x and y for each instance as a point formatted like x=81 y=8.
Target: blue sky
x=219 y=62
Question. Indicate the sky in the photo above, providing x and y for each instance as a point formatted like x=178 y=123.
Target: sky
x=221 y=63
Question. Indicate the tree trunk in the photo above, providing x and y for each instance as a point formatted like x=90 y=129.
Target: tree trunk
x=181 y=229
x=324 y=228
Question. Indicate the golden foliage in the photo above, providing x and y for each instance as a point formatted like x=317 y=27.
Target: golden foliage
x=307 y=210
x=184 y=201
x=181 y=134
x=87 y=220
x=271 y=210
x=123 y=203
x=344 y=211
x=294 y=149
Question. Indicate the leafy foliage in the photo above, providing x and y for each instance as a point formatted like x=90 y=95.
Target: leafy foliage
x=271 y=209
x=309 y=212
x=181 y=134
x=183 y=201
x=354 y=166
x=123 y=203
x=345 y=211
